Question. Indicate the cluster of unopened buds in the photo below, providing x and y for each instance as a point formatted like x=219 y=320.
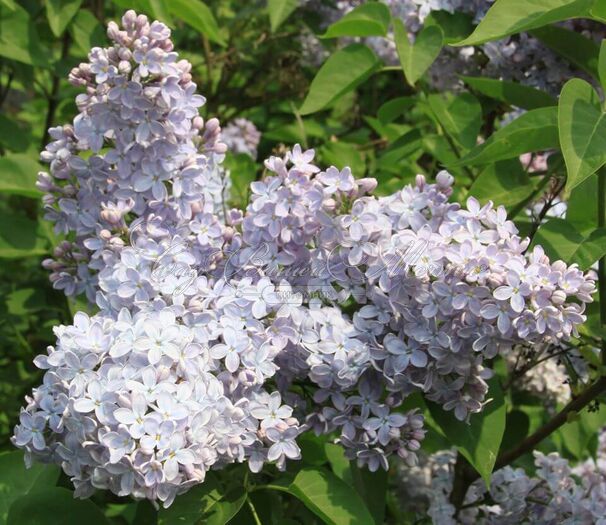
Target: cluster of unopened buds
x=220 y=336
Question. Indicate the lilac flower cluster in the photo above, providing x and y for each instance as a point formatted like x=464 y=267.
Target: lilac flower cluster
x=241 y=136
x=222 y=335
x=439 y=287
x=150 y=150
x=556 y=493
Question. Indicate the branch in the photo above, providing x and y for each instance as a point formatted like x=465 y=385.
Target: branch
x=53 y=97
x=465 y=475
x=528 y=444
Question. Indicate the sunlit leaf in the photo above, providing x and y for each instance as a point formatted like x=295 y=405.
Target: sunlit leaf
x=60 y=14
x=196 y=14
x=18 y=175
x=330 y=498
x=418 y=56
x=342 y=72
x=535 y=130
x=369 y=19
x=561 y=240
x=460 y=116
x=279 y=11
x=507 y=17
x=582 y=131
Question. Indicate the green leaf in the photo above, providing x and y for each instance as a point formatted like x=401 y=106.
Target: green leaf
x=372 y=486
x=312 y=449
x=160 y=10
x=561 y=240
x=206 y=503
x=416 y=58
x=401 y=148
x=54 y=506
x=60 y=13
x=455 y=26
x=25 y=300
x=516 y=428
x=342 y=154
x=19 y=38
x=18 y=175
x=581 y=51
x=535 y=130
x=394 y=108
x=480 y=439
x=20 y=237
x=196 y=14
x=507 y=17
x=582 y=210
x=459 y=115
x=341 y=73
x=242 y=170
x=582 y=131
x=330 y=498
x=577 y=434
x=602 y=64
x=370 y=19
x=86 y=31
x=279 y=11
x=598 y=11
x=13 y=136
x=17 y=481
x=518 y=95
x=504 y=182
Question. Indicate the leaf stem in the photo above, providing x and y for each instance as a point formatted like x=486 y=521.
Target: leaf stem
x=253 y=511
x=300 y=124
x=268 y=486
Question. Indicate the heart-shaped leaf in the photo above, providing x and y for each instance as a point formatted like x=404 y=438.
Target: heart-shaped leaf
x=371 y=19
x=416 y=58
x=582 y=127
x=341 y=73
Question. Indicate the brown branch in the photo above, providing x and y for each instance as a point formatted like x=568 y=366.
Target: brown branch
x=528 y=444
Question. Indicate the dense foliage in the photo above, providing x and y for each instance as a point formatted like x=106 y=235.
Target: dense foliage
x=393 y=318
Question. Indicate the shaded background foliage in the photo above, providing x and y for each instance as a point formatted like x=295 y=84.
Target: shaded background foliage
x=253 y=60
